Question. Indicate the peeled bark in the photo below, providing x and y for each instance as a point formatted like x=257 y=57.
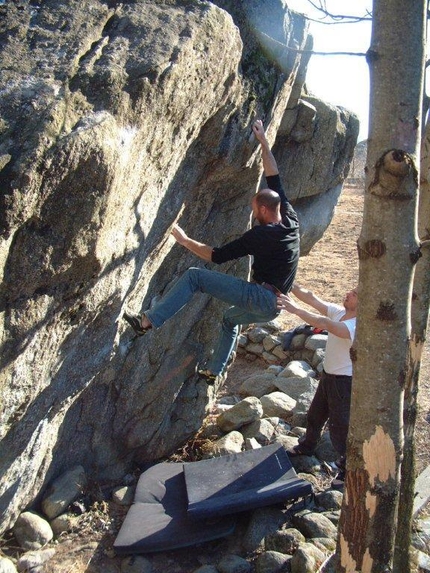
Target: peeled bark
x=388 y=250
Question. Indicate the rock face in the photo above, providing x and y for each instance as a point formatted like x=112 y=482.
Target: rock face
x=116 y=121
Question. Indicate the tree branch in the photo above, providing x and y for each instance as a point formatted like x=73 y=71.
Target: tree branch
x=336 y=18
x=312 y=52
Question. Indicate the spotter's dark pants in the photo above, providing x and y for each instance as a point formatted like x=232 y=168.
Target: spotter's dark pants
x=331 y=402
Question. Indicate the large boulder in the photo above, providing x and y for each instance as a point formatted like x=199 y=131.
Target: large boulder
x=116 y=120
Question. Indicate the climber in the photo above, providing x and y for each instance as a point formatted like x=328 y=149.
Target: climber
x=274 y=244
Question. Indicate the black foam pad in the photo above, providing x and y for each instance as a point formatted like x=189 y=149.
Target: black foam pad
x=238 y=482
x=158 y=520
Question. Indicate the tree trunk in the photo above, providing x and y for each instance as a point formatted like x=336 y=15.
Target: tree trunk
x=388 y=250
x=420 y=312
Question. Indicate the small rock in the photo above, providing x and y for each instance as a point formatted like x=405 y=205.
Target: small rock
x=314 y=525
x=256 y=349
x=272 y=325
x=32 y=531
x=251 y=444
x=306 y=464
x=279 y=353
x=270 y=342
x=298 y=342
x=233 y=564
x=274 y=369
x=318 y=357
x=325 y=450
x=284 y=540
x=303 y=403
x=229 y=444
x=307 y=355
x=324 y=544
x=297 y=369
x=296 y=386
x=271 y=562
x=34 y=559
x=421 y=535
x=210 y=431
x=206 y=569
x=7 y=566
x=220 y=408
x=228 y=400
x=242 y=340
x=63 y=523
x=287 y=441
x=280 y=427
x=307 y=559
x=330 y=499
x=320 y=367
x=316 y=341
x=257 y=334
x=63 y=491
x=298 y=419
x=123 y=495
x=423 y=561
x=264 y=521
x=261 y=430
x=270 y=358
x=246 y=411
x=278 y=404
x=298 y=431
x=331 y=565
x=333 y=516
x=136 y=564
x=258 y=384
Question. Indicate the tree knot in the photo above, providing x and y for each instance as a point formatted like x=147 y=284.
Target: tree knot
x=386 y=311
x=415 y=256
x=371 y=249
x=391 y=171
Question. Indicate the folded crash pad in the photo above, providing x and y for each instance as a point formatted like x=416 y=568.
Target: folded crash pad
x=238 y=482
x=158 y=520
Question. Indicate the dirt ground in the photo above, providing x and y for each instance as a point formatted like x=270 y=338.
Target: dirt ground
x=329 y=270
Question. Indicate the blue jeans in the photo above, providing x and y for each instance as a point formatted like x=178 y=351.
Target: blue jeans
x=252 y=303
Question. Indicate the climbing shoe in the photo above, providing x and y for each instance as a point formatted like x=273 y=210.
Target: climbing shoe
x=207 y=376
x=135 y=321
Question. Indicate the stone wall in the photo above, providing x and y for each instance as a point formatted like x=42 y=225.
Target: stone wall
x=268 y=342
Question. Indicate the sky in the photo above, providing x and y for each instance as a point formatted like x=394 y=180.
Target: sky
x=340 y=80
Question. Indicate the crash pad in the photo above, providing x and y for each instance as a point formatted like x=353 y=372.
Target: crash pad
x=246 y=480
x=158 y=519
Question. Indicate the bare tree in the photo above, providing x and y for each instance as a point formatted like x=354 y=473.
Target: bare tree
x=420 y=313
x=388 y=251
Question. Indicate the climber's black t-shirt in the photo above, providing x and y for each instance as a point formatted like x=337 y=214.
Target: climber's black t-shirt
x=275 y=246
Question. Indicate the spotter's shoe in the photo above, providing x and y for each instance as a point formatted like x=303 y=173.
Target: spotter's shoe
x=339 y=481
x=298 y=451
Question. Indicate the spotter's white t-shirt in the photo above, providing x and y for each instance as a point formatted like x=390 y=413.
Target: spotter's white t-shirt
x=337 y=359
